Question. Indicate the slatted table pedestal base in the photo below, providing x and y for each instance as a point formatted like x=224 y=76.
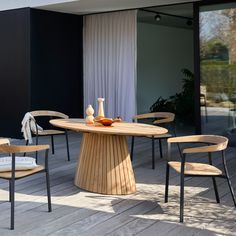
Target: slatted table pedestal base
x=104 y=165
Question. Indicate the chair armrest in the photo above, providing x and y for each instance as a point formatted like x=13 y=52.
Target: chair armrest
x=22 y=149
x=185 y=139
x=215 y=143
x=211 y=139
x=205 y=149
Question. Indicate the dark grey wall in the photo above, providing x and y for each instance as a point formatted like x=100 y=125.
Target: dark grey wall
x=40 y=65
x=14 y=69
x=56 y=62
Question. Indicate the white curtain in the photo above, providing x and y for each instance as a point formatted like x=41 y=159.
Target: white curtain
x=110 y=62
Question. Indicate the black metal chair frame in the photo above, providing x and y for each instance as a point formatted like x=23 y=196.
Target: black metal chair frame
x=182 y=176
x=153 y=138
x=52 y=140
x=12 y=186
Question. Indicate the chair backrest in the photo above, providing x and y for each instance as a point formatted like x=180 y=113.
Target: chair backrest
x=48 y=113
x=215 y=143
x=161 y=117
x=22 y=149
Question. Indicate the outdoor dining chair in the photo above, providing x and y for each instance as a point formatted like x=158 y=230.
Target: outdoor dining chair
x=14 y=167
x=209 y=144
x=49 y=132
x=165 y=119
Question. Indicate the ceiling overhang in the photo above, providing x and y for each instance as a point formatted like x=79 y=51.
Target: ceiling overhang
x=82 y=7
x=14 y=4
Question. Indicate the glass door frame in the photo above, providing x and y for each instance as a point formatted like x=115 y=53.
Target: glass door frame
x=197 y=75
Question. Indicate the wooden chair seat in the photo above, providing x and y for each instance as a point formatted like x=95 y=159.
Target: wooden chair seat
x=21 y=173
x=192 y=168
x=50 y=132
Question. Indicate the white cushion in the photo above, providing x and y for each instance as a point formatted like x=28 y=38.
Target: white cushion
x=22 y=163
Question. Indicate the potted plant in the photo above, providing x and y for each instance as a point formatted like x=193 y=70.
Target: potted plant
x=182 y=104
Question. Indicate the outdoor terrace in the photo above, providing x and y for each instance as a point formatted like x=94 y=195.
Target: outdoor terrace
x=78 y=212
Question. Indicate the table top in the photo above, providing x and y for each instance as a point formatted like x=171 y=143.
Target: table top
x=117 y=128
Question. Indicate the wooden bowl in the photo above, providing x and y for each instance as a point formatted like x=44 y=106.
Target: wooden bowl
x=106 y=121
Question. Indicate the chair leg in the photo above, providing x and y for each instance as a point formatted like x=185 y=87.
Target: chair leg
x=153 y=153
x=229 y=117
x=206 y=113
x=214 y=181
x=180 y=153
x=167 y=182
x=181 y=217
x=67 y=145
x=160 y=148
x=52 y=141
x=231 y=190
x=216 y=190
x=12 y=197
x=36 y=154
x=9 y=190
x=27 y=143
x=228 y=179
x=132 y=148
x=48 y=191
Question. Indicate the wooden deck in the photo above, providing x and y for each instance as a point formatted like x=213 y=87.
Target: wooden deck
x=77 y=212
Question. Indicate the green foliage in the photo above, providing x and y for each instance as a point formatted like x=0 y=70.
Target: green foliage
x=219 y=78
x=213 y=62
x=214 y=49
x=182 y=104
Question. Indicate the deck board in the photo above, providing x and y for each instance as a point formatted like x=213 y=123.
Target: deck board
x=77 y=212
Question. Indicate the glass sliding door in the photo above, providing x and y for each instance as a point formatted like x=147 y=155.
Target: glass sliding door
x=218 y=68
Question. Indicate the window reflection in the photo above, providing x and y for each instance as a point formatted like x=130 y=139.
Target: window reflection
x=218 y=68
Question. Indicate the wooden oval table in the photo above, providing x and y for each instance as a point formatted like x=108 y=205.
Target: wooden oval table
x=104 y=165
